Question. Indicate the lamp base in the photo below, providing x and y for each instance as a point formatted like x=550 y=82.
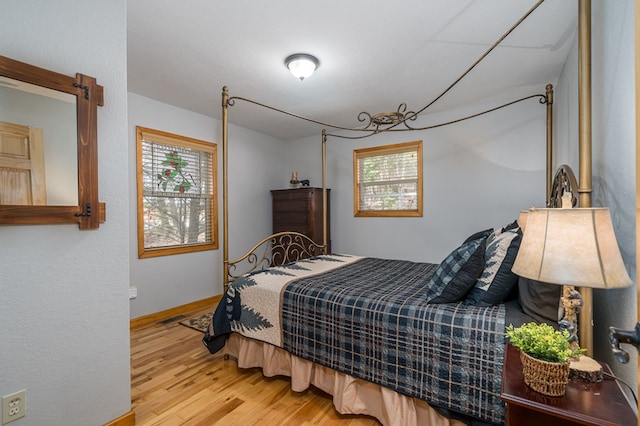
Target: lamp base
x=585 y=369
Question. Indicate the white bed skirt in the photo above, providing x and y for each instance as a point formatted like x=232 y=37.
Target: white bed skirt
x=350 y=395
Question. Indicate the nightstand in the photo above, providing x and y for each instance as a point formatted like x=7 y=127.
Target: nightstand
x=582 y=404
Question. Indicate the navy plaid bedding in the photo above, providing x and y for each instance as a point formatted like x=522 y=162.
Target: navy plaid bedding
x=370 y=319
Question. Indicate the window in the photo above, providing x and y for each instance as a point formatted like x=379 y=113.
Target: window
x=388 y=180
x=177 y=200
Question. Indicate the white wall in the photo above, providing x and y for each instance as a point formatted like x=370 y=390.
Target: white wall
x=477 y=174
x=613 y=139
x=614 y=183
x=254 y=168
x=65 y=311
x=257 y=164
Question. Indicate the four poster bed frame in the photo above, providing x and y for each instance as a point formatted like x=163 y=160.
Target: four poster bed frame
x=352 y=393
x=285 y=253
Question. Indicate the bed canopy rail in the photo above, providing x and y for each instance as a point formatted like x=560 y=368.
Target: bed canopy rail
x=386 y=122
x=272 y=249
x=399 y=120
x=393 y=121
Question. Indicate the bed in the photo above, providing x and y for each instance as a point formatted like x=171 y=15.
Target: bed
x=405 y=342
x=408 y=343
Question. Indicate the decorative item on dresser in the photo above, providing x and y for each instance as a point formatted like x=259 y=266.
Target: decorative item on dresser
x=300 y=210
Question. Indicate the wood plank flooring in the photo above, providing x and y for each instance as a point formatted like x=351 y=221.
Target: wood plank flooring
x=176 y=381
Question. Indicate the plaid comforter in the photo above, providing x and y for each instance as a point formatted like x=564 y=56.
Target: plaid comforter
x=369 y=319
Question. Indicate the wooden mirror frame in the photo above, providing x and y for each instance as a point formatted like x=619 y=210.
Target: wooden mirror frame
x=89 y=212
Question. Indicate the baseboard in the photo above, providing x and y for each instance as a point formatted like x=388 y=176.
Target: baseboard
x=172 y=312
x=128 y=419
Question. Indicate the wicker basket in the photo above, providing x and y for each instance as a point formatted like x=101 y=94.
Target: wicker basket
x=548 y=378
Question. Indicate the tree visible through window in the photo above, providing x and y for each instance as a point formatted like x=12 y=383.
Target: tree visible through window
x=388 y=180
x=177 y=210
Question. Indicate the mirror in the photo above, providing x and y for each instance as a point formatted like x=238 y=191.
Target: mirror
x=48 y=147
x=44 y=120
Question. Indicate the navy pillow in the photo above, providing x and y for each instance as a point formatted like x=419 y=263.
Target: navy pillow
x=539 y=300
x=497 y=280
x=457 y=273
x=479 y=234
x=512 y=226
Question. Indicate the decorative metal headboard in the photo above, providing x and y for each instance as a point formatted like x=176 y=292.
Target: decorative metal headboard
x=563 y=182
x=275 y=250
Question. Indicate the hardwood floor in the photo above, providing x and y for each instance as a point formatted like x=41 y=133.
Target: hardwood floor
x=176 y=381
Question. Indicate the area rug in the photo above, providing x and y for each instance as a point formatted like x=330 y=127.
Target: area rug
x=199 y=323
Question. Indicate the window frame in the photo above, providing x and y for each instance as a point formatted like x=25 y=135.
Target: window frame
x=179 y=141
x=358 y=154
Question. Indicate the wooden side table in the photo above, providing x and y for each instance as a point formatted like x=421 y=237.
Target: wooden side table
x=582 y=404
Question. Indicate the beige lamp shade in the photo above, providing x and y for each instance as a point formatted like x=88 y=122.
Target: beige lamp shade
x=568 y=246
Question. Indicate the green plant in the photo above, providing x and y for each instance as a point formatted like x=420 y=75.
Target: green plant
x=542 y=341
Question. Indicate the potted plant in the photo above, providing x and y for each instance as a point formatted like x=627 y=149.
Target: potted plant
x=545 y=354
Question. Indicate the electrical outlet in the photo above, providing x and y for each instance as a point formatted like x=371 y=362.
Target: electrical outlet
x=14 y=406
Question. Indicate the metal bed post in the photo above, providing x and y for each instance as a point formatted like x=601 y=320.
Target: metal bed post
x=225 y=203
x=324 y=191
x=584 y=153
x=549 y=100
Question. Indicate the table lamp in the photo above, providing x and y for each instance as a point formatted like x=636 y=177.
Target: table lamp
x=572 y=247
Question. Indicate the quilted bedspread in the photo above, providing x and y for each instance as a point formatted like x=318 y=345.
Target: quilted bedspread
x=368 y=318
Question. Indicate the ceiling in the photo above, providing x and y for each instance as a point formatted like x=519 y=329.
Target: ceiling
x=374 y=55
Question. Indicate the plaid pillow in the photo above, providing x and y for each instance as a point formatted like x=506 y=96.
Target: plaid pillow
x=497 y=280
x=457 y=273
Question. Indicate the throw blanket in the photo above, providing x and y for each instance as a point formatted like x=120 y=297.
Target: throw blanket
x=369 y=319
x=258 y=315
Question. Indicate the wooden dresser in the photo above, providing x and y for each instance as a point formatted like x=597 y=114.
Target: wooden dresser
x=300 y=210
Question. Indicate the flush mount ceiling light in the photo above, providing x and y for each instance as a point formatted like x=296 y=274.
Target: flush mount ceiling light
x=302 y=65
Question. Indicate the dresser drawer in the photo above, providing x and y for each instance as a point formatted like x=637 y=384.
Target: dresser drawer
x=292 y=205
x=292 y=218
x=303 y=229
x=292 y=194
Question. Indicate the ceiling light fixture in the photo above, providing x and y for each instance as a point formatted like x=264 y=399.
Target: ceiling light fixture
x=302 y=65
